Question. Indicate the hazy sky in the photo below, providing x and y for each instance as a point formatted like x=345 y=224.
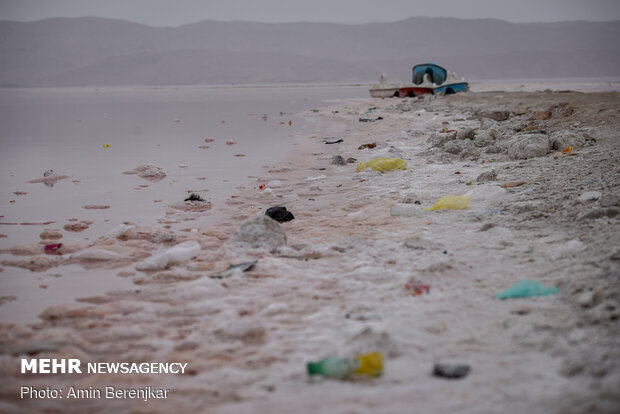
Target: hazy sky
x=178 y=12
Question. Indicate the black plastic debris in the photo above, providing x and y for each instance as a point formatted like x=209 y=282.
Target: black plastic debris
x=244 y=267
x=279 y=214
x=451 y=371
x=194 y=197
x=338 y=141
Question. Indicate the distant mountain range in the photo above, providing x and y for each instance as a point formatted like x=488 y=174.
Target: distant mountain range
x=96 y=51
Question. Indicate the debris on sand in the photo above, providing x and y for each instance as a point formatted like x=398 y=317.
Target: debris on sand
x=195 y=197
x=450 y=202
x=451 y=371
x=240 y=267
x=50 y=177
x=279 y=214
x=382 y=164
x=176 y=254
x=526 y=289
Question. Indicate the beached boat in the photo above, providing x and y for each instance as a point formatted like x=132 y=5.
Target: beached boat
x=428 y=78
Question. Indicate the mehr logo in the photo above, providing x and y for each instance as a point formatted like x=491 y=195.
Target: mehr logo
x=51 y=366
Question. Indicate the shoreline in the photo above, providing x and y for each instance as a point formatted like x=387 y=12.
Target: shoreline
x=338 y=286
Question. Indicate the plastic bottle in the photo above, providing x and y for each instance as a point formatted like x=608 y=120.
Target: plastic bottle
x=370 y=364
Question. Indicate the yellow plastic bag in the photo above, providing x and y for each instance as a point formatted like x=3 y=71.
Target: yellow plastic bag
x=382 y=164
x=451 y=202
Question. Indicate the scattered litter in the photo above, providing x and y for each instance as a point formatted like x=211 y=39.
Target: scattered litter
x=49 y=178
x=180 y=252
x=230 y=142
x=370 y=120
x=18 y=193
x=370 y=364
x=209 y=140
x=446 y=130
x=106 y=145
x=370 y=145
x=279 y=214
x=451 y=371
x=590 y=196
x=417 y=289
x=382 y=165
x=568 y=151
x=243 y=267
x=513 y=184
x=195 y=197
x=189 y=205
x=53 y=248
x=526 y=289
x=450 y=202
x=338 y=141
x=314 y=110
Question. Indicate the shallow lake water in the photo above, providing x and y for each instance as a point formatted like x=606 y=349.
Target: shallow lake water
x=93 y=135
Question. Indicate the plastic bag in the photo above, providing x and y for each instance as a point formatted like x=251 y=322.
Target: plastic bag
x=526 y=289
x=450 y=202
x=382 y=165
x=180 y=252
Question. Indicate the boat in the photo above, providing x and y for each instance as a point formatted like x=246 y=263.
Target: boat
x=428 y=78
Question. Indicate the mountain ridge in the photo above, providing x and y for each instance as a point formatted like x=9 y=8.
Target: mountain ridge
x=103 y=51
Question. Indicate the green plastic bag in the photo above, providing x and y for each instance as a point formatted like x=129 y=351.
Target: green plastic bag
x=382 y=165
x=526 y=289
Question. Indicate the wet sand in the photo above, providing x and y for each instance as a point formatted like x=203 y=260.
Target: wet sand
x=338 y=286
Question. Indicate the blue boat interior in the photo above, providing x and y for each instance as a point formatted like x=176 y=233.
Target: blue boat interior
x=435 y=73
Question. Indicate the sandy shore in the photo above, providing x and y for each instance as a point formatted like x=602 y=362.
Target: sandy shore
x=338 y=285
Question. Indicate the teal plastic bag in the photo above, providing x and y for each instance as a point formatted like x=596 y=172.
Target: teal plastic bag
x=526 y=289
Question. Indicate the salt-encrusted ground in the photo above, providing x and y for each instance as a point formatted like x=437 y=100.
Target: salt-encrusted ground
x=338 y=285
